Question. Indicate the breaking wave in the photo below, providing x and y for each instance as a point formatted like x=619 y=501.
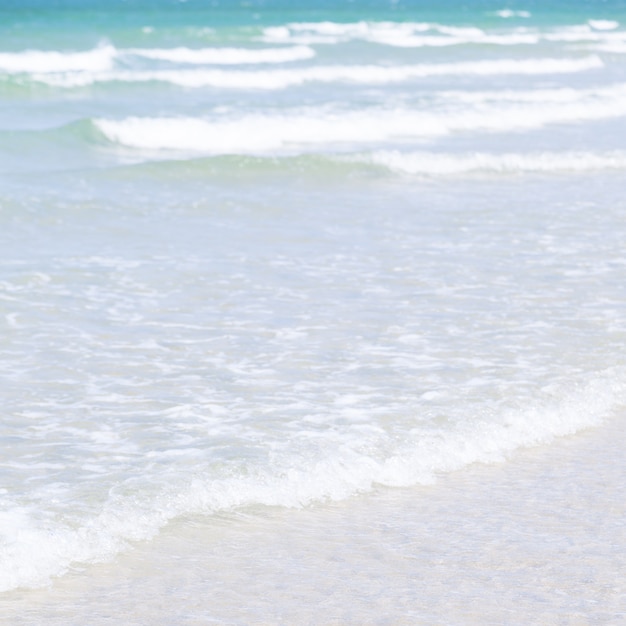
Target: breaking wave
x=355 y=74
x=38 y=550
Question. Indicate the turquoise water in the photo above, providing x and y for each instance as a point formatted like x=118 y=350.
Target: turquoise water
x=256 y=258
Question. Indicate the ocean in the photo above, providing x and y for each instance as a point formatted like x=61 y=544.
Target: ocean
x=312 y=312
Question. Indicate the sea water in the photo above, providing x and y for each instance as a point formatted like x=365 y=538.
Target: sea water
x=275 y=277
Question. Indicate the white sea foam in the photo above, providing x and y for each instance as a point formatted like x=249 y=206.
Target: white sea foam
x=310 y=128
x=250 y=134
x=420 y=34
x=428 y=163
x=614 y=41
x=508 y=13
x=391 y=38
x=104 y=58
x=359 y=74
x=33 y=551
x=613 y=48
x=37 y=61
x=225 y=56
x=603 y=24
x=396 y=34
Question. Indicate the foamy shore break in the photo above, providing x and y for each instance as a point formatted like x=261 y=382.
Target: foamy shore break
x=537 y=537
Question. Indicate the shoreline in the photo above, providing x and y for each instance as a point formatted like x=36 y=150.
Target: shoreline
x=539 y=537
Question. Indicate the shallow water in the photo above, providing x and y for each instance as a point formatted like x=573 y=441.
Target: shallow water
x=254 y=257
x=539 y=539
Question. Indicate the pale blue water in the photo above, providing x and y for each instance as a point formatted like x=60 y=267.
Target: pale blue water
x=283 y=254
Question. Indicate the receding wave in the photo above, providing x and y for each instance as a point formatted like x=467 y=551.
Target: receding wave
x=39 y=550
x=423 y=34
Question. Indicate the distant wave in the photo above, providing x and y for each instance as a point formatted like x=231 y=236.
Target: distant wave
x=97 y=60
x=104 y=58
x=603 y=24
x=398 y=34
x=508 y=13
x=358 y=74
x=292 y=43
x=225 y=56
x=423 y=34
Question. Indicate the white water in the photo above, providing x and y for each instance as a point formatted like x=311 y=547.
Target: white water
x=105 y=57
x=302 y=129
x=282 y=79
